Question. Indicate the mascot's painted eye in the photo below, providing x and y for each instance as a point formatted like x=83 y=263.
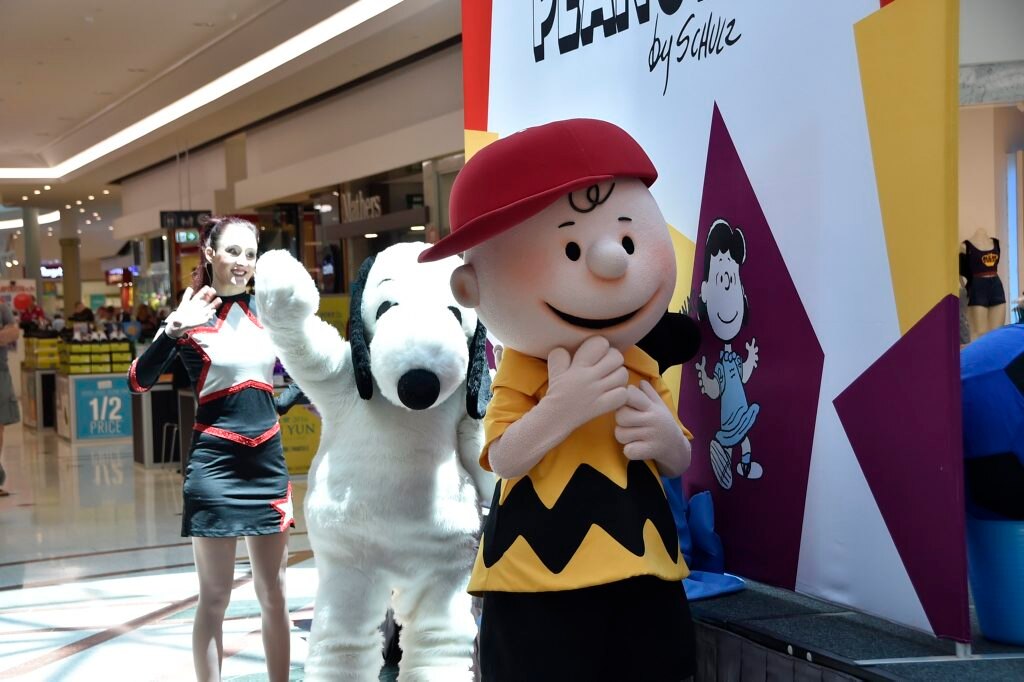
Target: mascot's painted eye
x=627 y=244
x=572 y=251
x=456 y=312
x=384 y=308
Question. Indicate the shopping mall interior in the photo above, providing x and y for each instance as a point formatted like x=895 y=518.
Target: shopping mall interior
x=337 y=129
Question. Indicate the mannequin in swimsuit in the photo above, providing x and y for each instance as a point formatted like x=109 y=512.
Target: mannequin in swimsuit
x=983 y=319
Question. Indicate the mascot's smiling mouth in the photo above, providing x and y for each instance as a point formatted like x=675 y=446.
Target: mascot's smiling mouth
x=588 y=323
x=593 y=324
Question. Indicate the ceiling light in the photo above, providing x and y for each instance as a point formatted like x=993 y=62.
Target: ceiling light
x=91 y=197
x=24 y=198
x=88 y=222
x=36 y=191
x=46 y=187
x=17 y=223
x=78 y=202
x=333 y=26
x=9 y=264
x=111 y=228
x=106 y=191
x=164 y=237
x=67 y=205
x=417 y=228
x=371 y=235
x=336 y=193
x=79 y=232
x=15 y=261
x=81 y=210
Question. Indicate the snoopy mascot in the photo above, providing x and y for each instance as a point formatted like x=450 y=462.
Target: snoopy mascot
x=393 y=506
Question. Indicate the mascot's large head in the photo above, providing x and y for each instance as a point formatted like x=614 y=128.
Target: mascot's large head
x=410 y=337
x=563 y=239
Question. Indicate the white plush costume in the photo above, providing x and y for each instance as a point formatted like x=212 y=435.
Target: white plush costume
x=393 y=501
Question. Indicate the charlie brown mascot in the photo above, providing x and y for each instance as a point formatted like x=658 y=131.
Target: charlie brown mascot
x=569 y=263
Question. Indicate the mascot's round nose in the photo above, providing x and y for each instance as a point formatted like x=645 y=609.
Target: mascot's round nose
x=418 y=389
x=607 y=259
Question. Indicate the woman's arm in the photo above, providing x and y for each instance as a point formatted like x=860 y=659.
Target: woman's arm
x=147 y=368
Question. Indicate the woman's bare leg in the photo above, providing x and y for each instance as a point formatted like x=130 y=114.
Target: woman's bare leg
x=268 y=555
x=215 y=564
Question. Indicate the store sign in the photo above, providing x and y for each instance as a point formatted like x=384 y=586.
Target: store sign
x=170 y=220
x=102 y=408
x=358 y=207
x=120 y=275
x=51 y=271
x=187 y=236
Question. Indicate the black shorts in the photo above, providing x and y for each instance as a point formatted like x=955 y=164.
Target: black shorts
x=636 y=629
x=986 y=292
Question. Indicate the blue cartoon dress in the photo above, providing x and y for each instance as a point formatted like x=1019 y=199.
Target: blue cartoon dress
x=737 y=416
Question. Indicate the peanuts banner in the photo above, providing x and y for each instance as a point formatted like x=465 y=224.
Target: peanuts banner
x=807 y=160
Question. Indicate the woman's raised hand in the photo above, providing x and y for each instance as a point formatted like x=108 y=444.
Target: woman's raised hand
x=195 y=310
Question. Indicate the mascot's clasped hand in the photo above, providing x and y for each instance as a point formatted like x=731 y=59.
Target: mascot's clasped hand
x=569 y=264
x=394 y=490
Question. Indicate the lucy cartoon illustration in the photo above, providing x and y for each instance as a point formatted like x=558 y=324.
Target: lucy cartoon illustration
x=725 y=306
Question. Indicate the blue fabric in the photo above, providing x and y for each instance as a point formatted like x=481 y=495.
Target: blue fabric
x=700 y=545
x=703 y=585
x=993 y=406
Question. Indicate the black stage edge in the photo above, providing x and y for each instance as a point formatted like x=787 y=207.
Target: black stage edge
x=764 y=633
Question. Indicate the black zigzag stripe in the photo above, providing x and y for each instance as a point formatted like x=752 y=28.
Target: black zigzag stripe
x=589 y=498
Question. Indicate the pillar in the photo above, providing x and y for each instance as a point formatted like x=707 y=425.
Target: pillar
x=30 y=231
x=70 y=258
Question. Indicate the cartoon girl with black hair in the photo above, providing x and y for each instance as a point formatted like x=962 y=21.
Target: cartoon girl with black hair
x=725 y=306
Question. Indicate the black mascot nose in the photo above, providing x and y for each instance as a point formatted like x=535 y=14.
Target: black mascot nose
x=418 y=389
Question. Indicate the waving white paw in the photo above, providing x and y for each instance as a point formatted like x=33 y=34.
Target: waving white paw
x=285 y=293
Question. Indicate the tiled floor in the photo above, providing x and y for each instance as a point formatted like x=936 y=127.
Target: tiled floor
x=96 y=581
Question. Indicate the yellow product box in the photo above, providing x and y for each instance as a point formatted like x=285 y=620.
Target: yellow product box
x=120 y=346
x=79 y=369
x=79 y=348
x=121 y=357
x=99 y=358
x=78 y=359
x=99 y=368
x=120 y=366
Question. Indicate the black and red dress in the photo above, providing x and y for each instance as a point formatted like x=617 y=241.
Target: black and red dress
x=236 y=481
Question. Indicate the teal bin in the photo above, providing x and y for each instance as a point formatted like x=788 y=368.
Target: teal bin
x=995 y=551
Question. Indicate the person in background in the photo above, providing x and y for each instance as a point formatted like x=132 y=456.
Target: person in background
x=33 y=316
x=82 y=313
x=9 y=413
x=144 y=316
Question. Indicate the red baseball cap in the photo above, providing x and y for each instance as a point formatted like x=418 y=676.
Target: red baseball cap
x=516 y=177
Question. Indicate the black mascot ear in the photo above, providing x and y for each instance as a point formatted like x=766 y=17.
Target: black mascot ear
x=674 y=340
x=478 y=377
x=357 y=334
